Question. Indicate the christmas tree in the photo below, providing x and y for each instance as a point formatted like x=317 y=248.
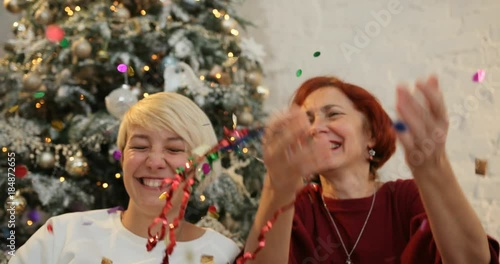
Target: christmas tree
x=76 y=66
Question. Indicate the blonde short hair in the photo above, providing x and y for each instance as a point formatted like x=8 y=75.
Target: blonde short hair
x=169 y=111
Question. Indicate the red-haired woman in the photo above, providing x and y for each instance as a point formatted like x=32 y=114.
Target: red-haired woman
x=339 y=132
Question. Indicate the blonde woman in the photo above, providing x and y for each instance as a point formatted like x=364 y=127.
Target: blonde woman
x=155 y=137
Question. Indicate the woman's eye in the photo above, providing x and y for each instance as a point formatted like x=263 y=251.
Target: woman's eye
x=332 y=114
x=138 y=147
x=175 y=150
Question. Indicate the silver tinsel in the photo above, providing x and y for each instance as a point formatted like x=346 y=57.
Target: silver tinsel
x=19 y=134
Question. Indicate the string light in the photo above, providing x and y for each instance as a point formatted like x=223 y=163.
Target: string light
x=154 y=57
x=235 y=32
x=143 y=12
x=4 y=149
x=48 y=140
x=245 y=150
x=146 y=68
x=145 y=95
x=61 y=179
x=230 y=55
x=38 y=105
x=77 y=8
x=216 y=13
x=70 y=13
x=202 y=198
x=105 y=185
x=82 y=97
x=218 y=76
x=232 y=138
x=112 y=8
x=202 y=77
x=29 y=222
x=118 y=175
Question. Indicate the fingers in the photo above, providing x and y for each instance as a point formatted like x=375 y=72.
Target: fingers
x=434 y=96
x=411 y=112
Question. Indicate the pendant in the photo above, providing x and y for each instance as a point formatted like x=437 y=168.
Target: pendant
x=348 y=261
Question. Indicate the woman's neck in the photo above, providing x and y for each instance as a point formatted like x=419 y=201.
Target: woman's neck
x=347 y=184
x=138 y=222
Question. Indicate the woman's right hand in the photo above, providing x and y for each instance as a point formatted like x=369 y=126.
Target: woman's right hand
x=291 y=153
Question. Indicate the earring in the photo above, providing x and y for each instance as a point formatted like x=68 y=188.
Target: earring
x=371 y=152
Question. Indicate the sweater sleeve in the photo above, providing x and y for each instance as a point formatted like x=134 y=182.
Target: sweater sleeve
x=421 y=247
x=39 y=248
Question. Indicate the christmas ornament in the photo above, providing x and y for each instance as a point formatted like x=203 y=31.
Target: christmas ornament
x=54 y=33
x=261 y=92
x=32 y=81
x=122 y=68
x=46 y=160
x=254 y=78
x=183 y=48
x=181 y=75
x=20 y=171
x=16 y=203
x=229 y=24
x=18 y=27
x=102 y=56
x=81 y=48
x=14 y=6
x=120 y=100
x=245 y=118
x=77 y=165
x=44 y=16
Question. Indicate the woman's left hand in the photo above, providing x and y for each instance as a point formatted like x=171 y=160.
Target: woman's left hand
x=424 y=137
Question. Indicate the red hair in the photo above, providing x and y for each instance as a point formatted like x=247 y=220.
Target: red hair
x=379 y=123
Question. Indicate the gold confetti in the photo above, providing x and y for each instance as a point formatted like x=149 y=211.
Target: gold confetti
x=205 y=259
x=106 y=260
x=481 y=166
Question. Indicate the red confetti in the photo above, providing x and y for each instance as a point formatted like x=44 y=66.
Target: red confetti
x=54 y=33
x=20 y=171
x=479 y=76
x=50 y=228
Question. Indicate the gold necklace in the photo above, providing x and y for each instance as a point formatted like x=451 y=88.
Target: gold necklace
x=348 y=260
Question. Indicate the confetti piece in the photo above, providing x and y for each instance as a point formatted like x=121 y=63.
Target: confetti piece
x=481 y=166
x=106 y=261
x=54 y=33
x=206 y=168
x=115 y=209
x=163 y=196
x=316 y=54
x=205 y=259
x=400 y=126
x=122 y=67
x=87 y=223
x=64 y=43
x=298 y=73
x=479 y=76
x=50 y=228
x=117 y=155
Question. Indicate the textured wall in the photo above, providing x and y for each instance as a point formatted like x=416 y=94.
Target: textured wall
x=377 y=44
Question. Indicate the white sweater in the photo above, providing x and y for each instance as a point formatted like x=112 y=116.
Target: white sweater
x=96 y=236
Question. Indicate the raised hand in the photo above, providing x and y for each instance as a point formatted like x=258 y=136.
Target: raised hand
x=291 y=153
x=427 y=125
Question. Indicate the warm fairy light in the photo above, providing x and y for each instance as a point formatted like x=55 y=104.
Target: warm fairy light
x=232 y=138
x=202 y=77
x=216 y=12
x=61 y=179
x=16 y=24
x=29 y=222
x=202 y=198
x=112 y=8
x=105 y=185
x=154 y=57
x=38 y=105
x=118 y=175
x=212 y=84
x=226 y=17
x=77 y=8
x=146 y=68
x=145 y=95
x=4 y=149
x=115 y=3
x=70 y=13
x=67 y=9
x=235 y=32
x=143 y=12
x=230 y=55
x=218 y=76
x=82 y=97
x=48 y=140
x=245 y=150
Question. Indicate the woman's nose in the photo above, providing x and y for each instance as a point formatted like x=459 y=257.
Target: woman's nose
x=156 y=160
x=318 y=127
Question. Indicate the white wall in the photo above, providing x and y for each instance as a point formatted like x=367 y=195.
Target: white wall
x=452 y=38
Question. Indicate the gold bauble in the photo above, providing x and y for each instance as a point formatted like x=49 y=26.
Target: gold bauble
x=77 y=166
x=32 y=81
x=254 y=78
x=46 y=160
x=245 y=118
x=261 y=93
x=81 y=48
x=16 y=203
x=43 y=16
x=102 y=56
x=14 y=6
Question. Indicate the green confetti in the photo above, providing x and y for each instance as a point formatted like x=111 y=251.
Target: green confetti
x=39 y=95
x=316 y=54
x=299 y=73
x=64 y=43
